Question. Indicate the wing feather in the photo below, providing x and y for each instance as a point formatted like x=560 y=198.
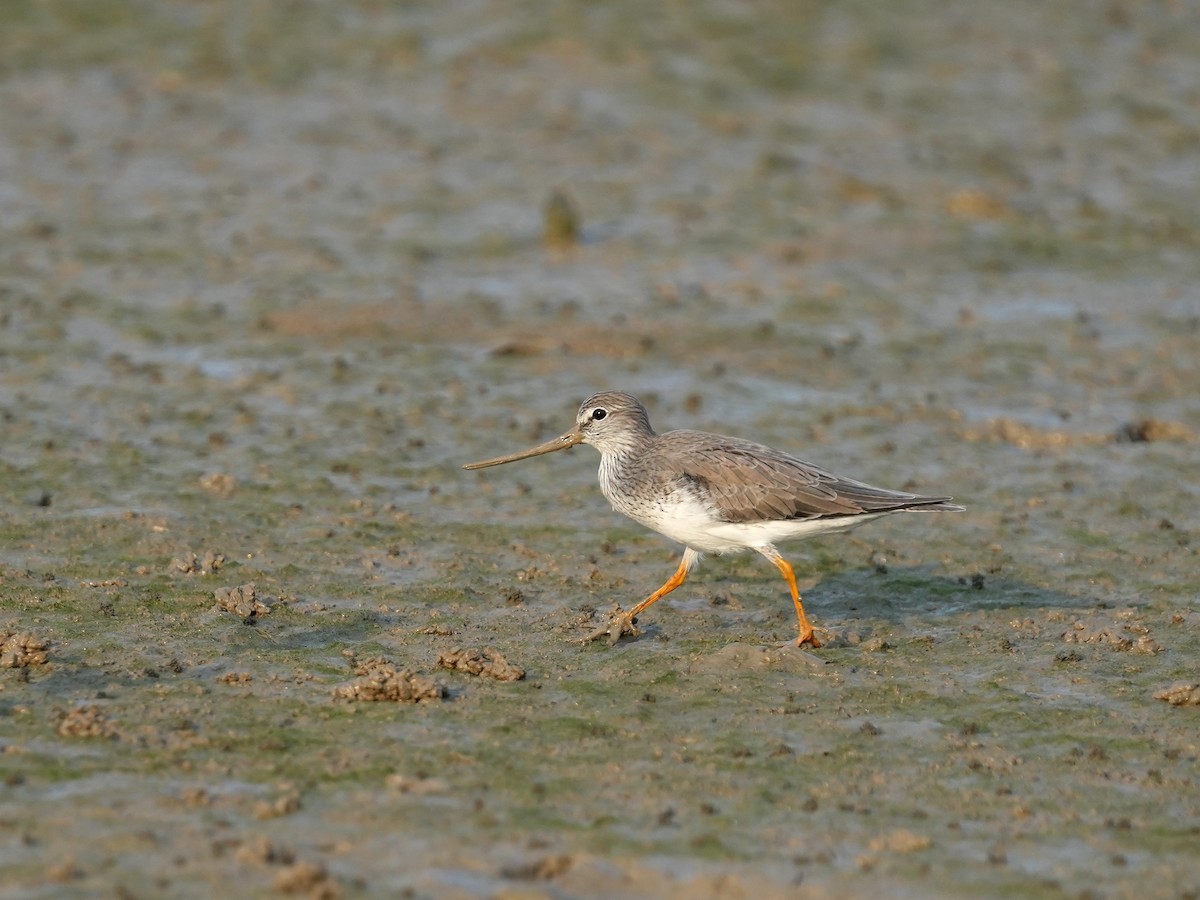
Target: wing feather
x=749 y=482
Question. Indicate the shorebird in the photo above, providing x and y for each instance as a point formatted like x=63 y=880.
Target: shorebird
x=715 y=494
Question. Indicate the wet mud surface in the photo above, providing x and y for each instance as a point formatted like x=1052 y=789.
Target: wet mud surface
x=267 y=280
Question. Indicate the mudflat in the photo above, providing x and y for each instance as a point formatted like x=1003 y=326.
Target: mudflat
x=269 y=275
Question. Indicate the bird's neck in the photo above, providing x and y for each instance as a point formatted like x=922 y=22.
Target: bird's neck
x=628 y=447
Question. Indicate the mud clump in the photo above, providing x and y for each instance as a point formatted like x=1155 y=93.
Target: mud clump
x=900 y=841
x=1081 y=633
x=86 y=721
x=22 y=649
x=309 y=879
x=417 y=786
x=260 y=851
x=487 y=662
x=380 y=681
x=195 y=564
x=560 y=222
x=544 y=868
x=294 y=876
x=219 y=484
x=242 y=601
x=285 y=804
x=1027 y=437
x=1150 y=430
x=1009 y=431
x=1181 y=694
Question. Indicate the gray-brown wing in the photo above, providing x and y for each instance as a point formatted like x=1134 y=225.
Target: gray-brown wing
x=748 y=482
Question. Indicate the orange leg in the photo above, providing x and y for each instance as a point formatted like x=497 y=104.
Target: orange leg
x=622 y=624
x=685 y=566
x=806 y=630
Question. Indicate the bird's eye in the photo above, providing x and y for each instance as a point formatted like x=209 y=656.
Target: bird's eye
x=598 y=414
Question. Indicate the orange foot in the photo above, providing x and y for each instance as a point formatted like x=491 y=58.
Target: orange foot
x=808 y=636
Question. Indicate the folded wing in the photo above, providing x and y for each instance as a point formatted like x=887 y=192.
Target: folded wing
x=749 y=482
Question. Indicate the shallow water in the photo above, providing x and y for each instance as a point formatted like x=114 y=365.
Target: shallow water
x=256 y=308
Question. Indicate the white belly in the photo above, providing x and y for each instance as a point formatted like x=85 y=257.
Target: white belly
x=693 y=523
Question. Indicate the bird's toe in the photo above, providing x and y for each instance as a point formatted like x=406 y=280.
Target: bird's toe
x=619 y=624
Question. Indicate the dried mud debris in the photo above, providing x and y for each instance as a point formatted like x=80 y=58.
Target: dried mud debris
x=1182 y=693
x=417 y=786
x=295 y=876
x=22 y=649
x=209 y=563
x=218 y=483
x=560 y=221
x=196 y=798
x=1148 y=430
x=1028 y=437
x=1129 y=636
x=440 y=630
x=64 y=870
x=86 y=721
x=242 y=601
x=380 y=681
x=260 y=851
x=895 y=842
x=1010 y=431
x=543 y=868
x=971 y=203
x=487 y=662
x=307 y=878
x=285 y=804
x=900 y=841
